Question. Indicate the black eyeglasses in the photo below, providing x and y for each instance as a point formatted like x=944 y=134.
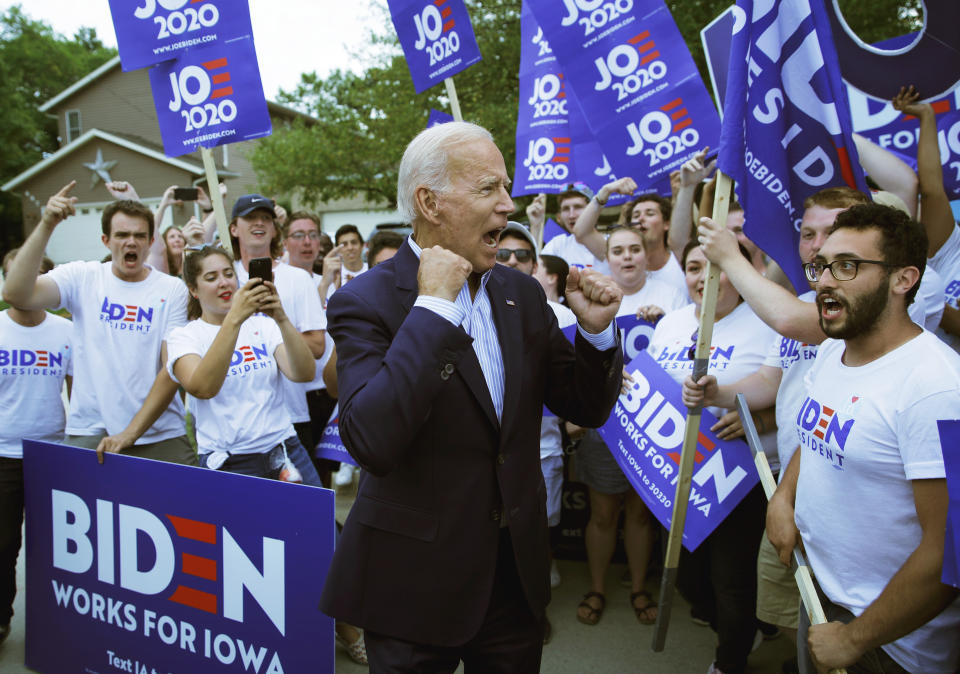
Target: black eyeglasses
x=841 y=270
x=523 y=255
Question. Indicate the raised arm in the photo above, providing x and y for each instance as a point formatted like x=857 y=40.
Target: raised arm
x=935 y=213
x=537 y=216
x=23 y=286
x=889 y=171
x=776 y=306
x=692 y=173
x=157 y=257
x=585 y=229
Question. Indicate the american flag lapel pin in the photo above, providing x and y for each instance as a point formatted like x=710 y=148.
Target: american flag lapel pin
x=511 y=303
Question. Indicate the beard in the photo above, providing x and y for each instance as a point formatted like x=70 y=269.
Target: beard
x=862 y=313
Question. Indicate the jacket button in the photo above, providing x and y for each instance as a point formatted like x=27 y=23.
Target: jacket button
x=495 y=515
x=444 y=375
x=448 y=368
x=501 y=459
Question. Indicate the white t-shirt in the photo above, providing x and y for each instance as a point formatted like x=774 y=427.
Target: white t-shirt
x=574 y=253
x=119 y=328
x=947 y=264
x=866 y=432
x=247 y=416
x=301 y=303
x=672 y=274
x=926 y=310
x=551 y=442
x=740 y=343
x=794 y=359
x=656 y=293
x=33 y=363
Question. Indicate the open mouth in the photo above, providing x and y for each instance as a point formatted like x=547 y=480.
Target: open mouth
x=226 y=295
x=830 y=307
x=129 y=258
x=492 y=238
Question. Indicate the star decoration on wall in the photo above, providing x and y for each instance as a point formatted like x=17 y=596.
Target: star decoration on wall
x=101 y=169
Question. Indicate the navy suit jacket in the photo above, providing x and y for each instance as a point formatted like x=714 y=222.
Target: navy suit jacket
x=418 y=552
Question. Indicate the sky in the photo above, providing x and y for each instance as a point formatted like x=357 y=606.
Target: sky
x=292 y=36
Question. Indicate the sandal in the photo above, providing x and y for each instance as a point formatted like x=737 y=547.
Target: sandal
x=642 y=612
x=356 y=650
x=594 y=613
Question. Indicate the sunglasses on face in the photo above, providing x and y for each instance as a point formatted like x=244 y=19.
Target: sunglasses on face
x=522 y=254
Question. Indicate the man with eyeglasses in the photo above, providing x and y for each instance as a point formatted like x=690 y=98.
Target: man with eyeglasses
x=866 y=488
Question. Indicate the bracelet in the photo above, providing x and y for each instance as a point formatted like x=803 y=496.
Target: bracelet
x=602 y=203
x=206 y=210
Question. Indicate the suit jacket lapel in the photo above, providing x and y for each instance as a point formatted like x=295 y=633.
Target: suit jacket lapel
x=506 y=316
x=468 y=366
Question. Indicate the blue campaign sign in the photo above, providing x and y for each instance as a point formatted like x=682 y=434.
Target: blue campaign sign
x=331 y=447
x=635 y=334
x=645 y=435
x=210 y=97
x=551 y=229
x=716 y=38
x=949 y=444
x=437 y=39
x=438 y=117
x=555 y=143
x=153 y=31
x=786 y=126
x=636 y=83
x=155 y=567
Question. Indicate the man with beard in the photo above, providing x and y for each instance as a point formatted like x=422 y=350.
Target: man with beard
x=866 y=489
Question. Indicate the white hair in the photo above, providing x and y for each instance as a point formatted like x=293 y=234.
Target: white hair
x=425 y=162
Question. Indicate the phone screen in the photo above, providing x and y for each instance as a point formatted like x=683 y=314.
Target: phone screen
x=185 y=193
x=262 y=268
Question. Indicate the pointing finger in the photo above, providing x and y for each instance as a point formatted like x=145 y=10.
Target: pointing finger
x=65 y=190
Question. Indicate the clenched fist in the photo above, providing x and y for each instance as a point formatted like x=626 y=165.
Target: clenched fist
x=442 y=273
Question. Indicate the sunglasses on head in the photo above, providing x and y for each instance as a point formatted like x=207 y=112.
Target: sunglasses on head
x=523 y=255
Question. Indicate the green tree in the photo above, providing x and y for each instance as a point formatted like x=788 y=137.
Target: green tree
x=35 y=65
x=363 y=122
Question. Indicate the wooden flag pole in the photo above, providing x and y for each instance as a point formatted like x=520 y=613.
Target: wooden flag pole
x=808 y=591
x=213 y=189
x=454 y=101
x=721 y=205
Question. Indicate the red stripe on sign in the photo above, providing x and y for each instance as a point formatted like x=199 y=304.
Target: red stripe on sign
x=827 y=411
x=446 y=12
x=679 y=126
x=649 y=57
x=564 y=149
x=705 y=442
x=449 y=25
x=561 y=140
x=562 y=94
x=195 y=599
x=220 y=78
x=560 y=160
x=639 y=37
x=697 y=457
x=439 y=2
x=194 y=529
x=846 y=168
x=201 y=567
x=672 y=104
x=193 y=2
x=646 y=46
x=682 y=112
x=220 y=93
x=823 y=423
x=217 y=63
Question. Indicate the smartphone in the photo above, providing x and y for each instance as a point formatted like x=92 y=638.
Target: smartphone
x=262 y=268
x=185 y=193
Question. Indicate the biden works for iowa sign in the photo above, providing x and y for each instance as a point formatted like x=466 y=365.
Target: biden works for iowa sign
x=148 y=567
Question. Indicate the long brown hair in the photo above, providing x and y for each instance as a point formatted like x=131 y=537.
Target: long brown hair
x=192 y=266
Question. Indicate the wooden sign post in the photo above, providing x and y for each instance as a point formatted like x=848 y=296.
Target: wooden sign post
x=213 y=185
x=454 y=101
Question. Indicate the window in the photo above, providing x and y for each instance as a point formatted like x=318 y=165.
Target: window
x=73 y=125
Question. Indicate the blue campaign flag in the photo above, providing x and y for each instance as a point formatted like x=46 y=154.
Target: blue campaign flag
x=636 y=82
x=786 y=126
x=153 y=31
x=645 y=435
x=437 y=39
x=331 y=447
x=209 y=97
x=950 y=447
x=152 y=566
x=438 y=117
